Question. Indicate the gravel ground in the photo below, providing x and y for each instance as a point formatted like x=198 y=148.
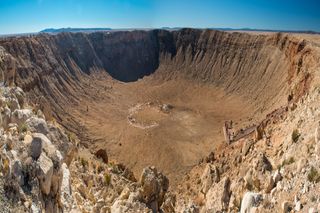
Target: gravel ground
x=4 y=203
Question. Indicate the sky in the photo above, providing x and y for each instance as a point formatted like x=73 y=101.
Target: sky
x=24 y=16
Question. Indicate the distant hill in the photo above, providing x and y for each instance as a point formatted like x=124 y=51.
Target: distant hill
x=265 y=30
x=60 y=30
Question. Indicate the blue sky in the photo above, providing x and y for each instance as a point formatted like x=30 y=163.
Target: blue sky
x=18 y=16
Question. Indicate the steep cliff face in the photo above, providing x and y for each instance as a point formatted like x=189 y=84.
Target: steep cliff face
x=233 y=61
x=262 y=68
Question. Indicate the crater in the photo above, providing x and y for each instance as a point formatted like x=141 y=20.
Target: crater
x=163 y=95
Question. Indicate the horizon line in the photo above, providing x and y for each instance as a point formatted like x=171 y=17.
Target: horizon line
x=164 y=27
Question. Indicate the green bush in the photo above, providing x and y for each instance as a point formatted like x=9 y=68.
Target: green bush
x=107 y=178
x=289 y=161
x=71 y=136
x=295 y=135
x=100 y=168
x=84 y=162
x=23 y=128
x=313 y=175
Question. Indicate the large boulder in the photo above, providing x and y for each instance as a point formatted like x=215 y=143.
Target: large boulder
x=249 y=201
x=36 y=124
x=210 y=175
x=44 y=173
x=218 y=196
x=40 y=143
x=154 y=187
x=62 y=143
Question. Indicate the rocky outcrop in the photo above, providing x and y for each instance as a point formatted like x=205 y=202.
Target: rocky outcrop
x=218 y=196
x=210 y=175
x=33 y=169
x=249 y=201
x=154 y=187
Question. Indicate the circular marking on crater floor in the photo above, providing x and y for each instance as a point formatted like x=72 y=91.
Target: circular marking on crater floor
x=148 y=115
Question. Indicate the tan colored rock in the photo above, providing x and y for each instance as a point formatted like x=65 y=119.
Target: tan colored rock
x=36 y=124
x=210 y=175
x=218 y=196
x=154 y=187
x=124 y=206
x=302 y=163
x=27 y=139
x=270 y=184
x=246 y=146
x=41 y=143
x=45 y=172
x=261 y=163
x=40 y=114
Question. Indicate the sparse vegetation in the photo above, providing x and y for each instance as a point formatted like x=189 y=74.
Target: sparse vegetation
x=5 y=165
x=21 y=137
x=107 y=178
x=9 y=145
x=287 y=162
x=8 y=105
x=71 y=136
x=279 y=166
x=295 y=135
x=313 y=175
x=23 y=128
x=84 y=162
x=100 y=168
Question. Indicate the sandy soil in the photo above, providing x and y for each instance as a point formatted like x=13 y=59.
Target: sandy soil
x=127 y=120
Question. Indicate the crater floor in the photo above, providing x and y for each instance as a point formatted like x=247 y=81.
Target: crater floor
x=170 y=125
